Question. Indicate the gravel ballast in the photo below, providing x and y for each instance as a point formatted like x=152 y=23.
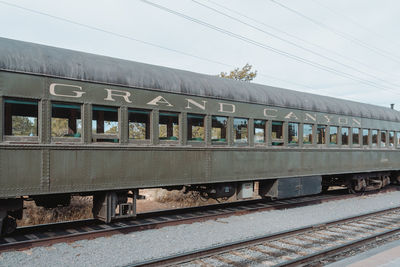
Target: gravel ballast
x=119 y=250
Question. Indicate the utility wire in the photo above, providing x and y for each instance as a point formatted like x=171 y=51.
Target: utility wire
x=351 y=20
x=346 y=36
x=146 y=42
x=264 y=46
x=296 y=45
x=296 y=37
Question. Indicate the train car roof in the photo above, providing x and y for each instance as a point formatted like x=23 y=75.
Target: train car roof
x=24 y=57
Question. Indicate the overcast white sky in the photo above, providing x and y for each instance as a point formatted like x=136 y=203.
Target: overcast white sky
x=359 y=39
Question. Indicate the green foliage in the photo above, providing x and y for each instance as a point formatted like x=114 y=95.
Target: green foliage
x=24 y=126
x=245 y=74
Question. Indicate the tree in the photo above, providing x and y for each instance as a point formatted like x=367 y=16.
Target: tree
x=245 y=74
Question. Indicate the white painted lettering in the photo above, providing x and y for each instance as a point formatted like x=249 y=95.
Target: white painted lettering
x=343 y=120
x=78 y=94
x=159 y=99
x=222 y=105
x=328 y=119
x=291 y=115
x=267 y=112
x=191 y=101
x=356 y=122
x=309 y=116
x=111 y=92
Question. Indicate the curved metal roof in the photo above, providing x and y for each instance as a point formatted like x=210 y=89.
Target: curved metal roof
x=38 y=59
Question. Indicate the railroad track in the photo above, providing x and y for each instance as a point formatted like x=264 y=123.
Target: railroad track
x=299 y=247
x=48 y=234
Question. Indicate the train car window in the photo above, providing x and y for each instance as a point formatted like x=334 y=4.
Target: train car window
x=105 y=124
x=391 y=139
x=168 y=126
x=398 y=139
x=345 y=136
x=333 y=135
x=195 y=127
x=374 y=134
x=383 y=138
x=277 y=133
x=218 y=128
x=293 y=133
x=139 y=124
x=365 y=137
x=241 y=130
x=259 y=131
x=21 y=117
x=66 y=120
x=307 y=134
x=321 y=133
x=356 y=136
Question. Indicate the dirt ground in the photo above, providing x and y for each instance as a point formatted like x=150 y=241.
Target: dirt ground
x=81 y=207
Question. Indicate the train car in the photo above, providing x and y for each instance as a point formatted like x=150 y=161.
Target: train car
x=74 y=123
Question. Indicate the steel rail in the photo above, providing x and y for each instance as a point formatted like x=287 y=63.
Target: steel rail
x=218 y=249
x=48 y=234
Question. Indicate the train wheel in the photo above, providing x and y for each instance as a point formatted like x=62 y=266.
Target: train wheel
x=9 y=225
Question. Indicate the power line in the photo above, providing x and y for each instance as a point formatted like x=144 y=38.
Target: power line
x=341 y=34
x=294 y=36
x=264 y=46
x=354 y=22
x=294 y=44
x=144 y=42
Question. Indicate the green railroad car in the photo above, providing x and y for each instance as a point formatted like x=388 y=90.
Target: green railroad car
x=74 y=123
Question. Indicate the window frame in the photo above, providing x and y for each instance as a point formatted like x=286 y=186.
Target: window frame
x=139 y=141
x=227 y=127
x=348 y=136
x=278 y=142
x=55 y=139
x=265 y=142
x=234 y=140
x=15 y=138
x=106 y=136
x=179 y=137
x=196 y=142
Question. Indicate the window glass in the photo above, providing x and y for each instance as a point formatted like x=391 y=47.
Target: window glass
x=105 y=121
x=356 y=136
x=398 y=139
x=383 y=138
x=139 y=124
x=218 y=131
x=391 y=138
x=259 y=131
x=293 y=133
x=345 y=136
x=333 y=134
x=365 y=137
x=195 y=127
x=21 y=117
x=240 y=128
x=277 y=133
x=66 y=120
x=307 y=133
x=168 y=126
x=374 y=134
x=321 y=133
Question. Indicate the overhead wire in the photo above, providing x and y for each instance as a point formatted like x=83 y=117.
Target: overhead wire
x=144 y=42
x=264 y=46
x=297 y=37
x=294 y=44
x=354 y=22
x=343 y=35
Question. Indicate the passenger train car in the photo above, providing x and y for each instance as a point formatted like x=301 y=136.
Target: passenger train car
x=74 y=123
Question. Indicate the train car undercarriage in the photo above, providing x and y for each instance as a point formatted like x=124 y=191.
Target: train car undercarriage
x=111 y=205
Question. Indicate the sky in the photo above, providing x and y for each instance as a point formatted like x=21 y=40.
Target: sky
x=340 y=48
